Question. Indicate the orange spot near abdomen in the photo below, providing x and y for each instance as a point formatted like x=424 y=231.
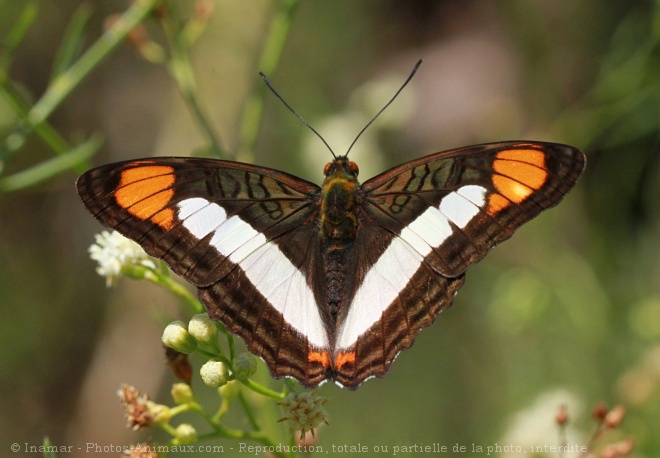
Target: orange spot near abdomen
x=320 y=357
x=344 y=358
x=145 y=193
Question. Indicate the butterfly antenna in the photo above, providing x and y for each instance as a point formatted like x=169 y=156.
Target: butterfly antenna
x=405 y=83
x=270 y=86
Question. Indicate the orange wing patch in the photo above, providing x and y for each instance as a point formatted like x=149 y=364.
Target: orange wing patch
x=320 y=357
x=530 y=156
x=145 y=193
x=344 y=358
x=519 y=173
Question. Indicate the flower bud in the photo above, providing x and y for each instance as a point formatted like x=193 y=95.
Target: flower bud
x=202 y=328
x=214 y=373
x=177 y=337
x=614 y=417
x=599 y=411
x=161 y=414
x=562 y=416
x=244 y=366
x=182 y=393
x=617 y=449
x=185 y=434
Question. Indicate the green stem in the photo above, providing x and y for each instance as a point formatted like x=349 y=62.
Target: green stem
x=50 y=167
x=50 y=136
x=230 y=344
x=257 y=388
x=268 y=61
x=169 y=429
x=45 y=130
x=248 y=411
x=222 y=410
x=163 y=279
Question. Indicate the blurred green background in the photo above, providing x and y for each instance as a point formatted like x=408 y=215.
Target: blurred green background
x=565 y=313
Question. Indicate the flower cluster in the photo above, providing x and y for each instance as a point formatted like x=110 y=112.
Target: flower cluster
x=115 y=254
x=136 y=407
x=304 y=412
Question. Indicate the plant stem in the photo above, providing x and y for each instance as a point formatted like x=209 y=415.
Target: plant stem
x=162 y=277
x=254 y=386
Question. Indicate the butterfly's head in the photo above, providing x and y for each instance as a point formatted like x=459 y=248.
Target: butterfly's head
x=341 y=165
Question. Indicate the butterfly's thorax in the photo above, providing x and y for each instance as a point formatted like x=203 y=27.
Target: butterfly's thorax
x=338 y=204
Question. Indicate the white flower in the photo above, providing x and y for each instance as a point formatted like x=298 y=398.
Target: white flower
x=112 y=251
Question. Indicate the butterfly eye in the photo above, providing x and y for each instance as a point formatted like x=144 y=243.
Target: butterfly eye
x=326 y=168
x=354 y=167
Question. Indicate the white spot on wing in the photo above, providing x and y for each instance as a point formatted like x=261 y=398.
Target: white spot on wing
x=428 y=230
x=473 y=193
x=269 y=270
x=200 y=216
x=463 y=205
x=237 y=239
x=432 y=227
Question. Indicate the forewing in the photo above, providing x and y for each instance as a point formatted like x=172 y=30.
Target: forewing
x=453 y=206
x=178 y=208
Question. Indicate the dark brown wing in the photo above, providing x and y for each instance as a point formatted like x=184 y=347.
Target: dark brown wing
x=436 y=216
x=240 y=233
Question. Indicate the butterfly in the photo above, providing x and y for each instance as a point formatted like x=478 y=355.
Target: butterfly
x=330 y=282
